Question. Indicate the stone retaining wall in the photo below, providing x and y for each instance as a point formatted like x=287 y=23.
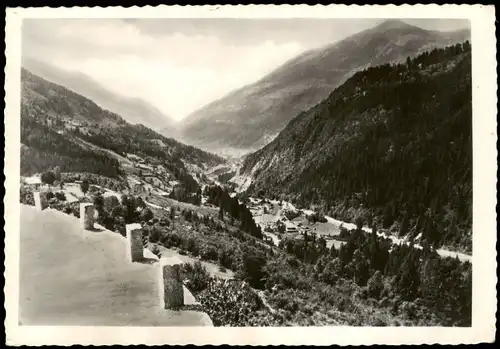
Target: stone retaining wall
x=40 y=200
x=171 y=286
x=134 y=239
x=87 y=215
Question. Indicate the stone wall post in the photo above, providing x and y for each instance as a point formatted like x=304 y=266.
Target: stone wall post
x=134 y=239
x=87 y=215
x=40 y=200
x=171 y=287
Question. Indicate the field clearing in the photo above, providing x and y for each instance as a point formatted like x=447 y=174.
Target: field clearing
x=327 y=229
x=167 y=202
x=212 y=268
x=264 y=218
x=73 y=189
x=121 y=159
x=72 y=277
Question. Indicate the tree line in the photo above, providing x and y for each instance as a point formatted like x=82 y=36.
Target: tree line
x=236 y=210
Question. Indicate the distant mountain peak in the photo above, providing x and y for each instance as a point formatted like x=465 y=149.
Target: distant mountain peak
x=394 y=24
x=134 y=110
x=255 y=112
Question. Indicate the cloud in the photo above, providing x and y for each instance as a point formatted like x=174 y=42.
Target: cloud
x=178 y=73
x=179 y=65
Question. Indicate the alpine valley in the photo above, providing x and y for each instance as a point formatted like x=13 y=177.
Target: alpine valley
x=346 y=199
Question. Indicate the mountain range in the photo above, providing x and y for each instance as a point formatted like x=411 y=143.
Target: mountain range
x=250 y=117
x=133 y=110
x=393 y=142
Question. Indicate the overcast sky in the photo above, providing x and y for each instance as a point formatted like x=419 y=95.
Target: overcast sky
x=179 y=65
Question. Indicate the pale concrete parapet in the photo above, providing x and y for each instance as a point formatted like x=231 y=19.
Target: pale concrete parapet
x=87 y=215
x=134 y=242
x=171 y=287
x=40 y=200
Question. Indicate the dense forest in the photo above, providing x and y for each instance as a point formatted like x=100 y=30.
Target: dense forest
x=390 y=271
x=393 y=144
x=220 y=197
x=44 y=148
x=136 y=139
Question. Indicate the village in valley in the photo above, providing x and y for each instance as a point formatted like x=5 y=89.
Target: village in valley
x=277 y=219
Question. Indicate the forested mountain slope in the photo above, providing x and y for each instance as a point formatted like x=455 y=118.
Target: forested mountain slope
x=55 y=121
x=249 y=117
x=394 y=141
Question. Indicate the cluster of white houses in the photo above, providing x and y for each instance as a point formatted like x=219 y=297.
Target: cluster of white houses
x=291 y=228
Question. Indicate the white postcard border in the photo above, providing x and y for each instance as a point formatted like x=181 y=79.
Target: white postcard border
x=484 y=183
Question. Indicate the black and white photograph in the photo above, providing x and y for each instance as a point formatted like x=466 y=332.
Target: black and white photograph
x=245 y=172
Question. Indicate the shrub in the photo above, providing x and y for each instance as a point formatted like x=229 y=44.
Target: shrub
x=224 y=258
x=48 y=177
x=110 y=203
x=57 y=205
x=196 y=276
x=285 y=301
x=233 y=303
x=156 y=250
x=26 y=196
x=189 y=244
x=375 y=285
x=60 y=196
x=164 y=222
x=93 y=189
x=154 y=234
x=146 y=215
x=208 y=253
x=253 y=270
x=117 y=212
x=291 y=214
x=84 y=186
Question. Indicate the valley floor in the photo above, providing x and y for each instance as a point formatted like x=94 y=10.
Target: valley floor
x=327 y=229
